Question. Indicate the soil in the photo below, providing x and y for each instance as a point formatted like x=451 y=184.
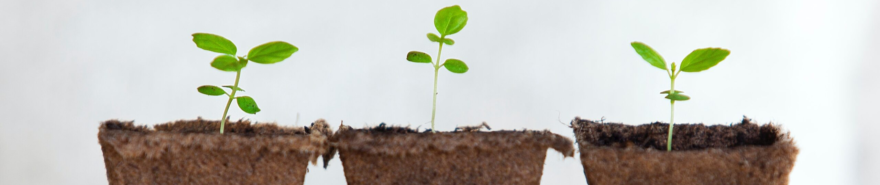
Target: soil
x=685 y=136
x=740 y=153
x=194 y=152
x=399 y=155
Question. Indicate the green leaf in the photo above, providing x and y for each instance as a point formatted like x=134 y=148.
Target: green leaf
x=233 y=88
x=214 y=43
x=211 y=90
x=433 y=37
x=448 y=41
x=247 y=104
x=455 y=66
x=667 y=92
x=703 y=59
x=271 y=52
x=226 y=63
x=649 y=55
x=418 y=57
x=450 y=20
x=678 y=97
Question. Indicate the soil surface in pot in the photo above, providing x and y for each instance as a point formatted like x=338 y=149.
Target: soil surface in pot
x=739 y=153
x=194 y=152
x=398 y=155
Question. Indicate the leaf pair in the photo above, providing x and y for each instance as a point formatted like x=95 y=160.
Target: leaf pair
x=434 y=38
x=453 y=65
x=696 y=61
x=217 y=91
x=228 y=63
x=676 y=95
x=246 y=103
x=268 y=53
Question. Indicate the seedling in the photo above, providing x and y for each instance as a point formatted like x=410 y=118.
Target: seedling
x=448 y=21
x=268 y=53
x=698 y=60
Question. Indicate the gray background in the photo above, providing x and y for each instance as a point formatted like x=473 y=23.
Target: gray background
x=807 y=65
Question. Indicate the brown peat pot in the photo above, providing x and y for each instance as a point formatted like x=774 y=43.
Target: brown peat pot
x=740 y=153
x=194 y=152
x=395 y=155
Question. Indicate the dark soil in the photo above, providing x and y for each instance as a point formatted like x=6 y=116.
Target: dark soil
x=382 y=128
x=684 y=137
x=193 y=152
x=741 y=153
x=241 y=128
x=399 y=155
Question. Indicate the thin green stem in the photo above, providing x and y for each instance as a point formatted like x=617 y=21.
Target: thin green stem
x=436 y=71
x=434 y=107
x=671 y=118
x=229 y=102
x=671 y=115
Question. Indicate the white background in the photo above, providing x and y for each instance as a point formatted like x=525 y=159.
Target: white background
x=807 y=65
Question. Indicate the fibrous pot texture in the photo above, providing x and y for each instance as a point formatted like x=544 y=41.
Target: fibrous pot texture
x=396 y=155
x=194 y=152
x=739 y=153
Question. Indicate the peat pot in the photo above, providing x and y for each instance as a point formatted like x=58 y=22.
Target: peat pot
x=394 y=155
x=739 y=153
x=194 y=152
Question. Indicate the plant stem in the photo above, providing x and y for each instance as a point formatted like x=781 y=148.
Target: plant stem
x=434 y=107
x=436 y=71
x=229 y=102
x=671 y=115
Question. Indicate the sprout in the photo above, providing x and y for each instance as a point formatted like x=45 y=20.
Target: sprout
x=268 y=53
x=448 y=21
x=698 y=60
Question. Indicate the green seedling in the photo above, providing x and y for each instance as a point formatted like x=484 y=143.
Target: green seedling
x=268 y=53
x=698 y=60
x=448 y=21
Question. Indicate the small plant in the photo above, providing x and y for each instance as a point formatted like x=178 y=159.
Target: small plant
x=448 y=21
x=268 y=53
x=698 y=60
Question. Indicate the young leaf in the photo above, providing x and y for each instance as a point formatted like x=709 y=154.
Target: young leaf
x=678 y=97
x=433 y=37
x=649 y=55
x=226 y=63
x=211 y=90
x=702 y=59
x=242 y=61
x=450 y=20
x=667 y=92
x=233 y=88
x=418 y=57
x=214 y=43
x=271 y=52
x=448 y=41
x=673 y=67
x=455 y=66
x=247 y=104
